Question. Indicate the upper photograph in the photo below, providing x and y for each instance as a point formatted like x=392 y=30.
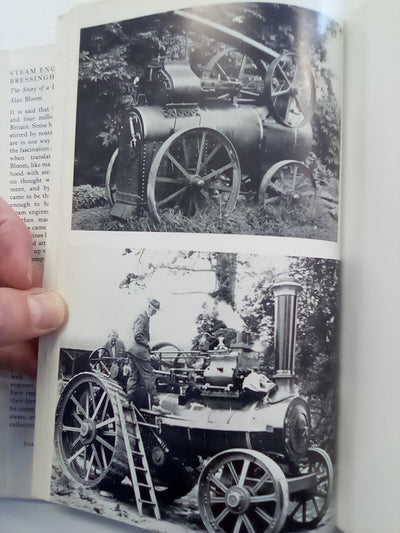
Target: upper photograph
x=215 y=119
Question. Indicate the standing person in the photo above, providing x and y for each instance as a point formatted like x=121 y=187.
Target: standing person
x=141 y=369
x=114 y=346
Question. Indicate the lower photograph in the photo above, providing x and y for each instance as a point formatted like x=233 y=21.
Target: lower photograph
x=197 y=391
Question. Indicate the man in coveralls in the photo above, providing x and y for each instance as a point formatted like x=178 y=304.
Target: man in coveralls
x=139 y=354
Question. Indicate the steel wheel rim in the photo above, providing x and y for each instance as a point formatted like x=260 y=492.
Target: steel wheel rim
x=196 y=169
x=291 y=184
x=110 y=178
x=290 y=90
x=308 y=508
x=87 y=431
x=242 y=489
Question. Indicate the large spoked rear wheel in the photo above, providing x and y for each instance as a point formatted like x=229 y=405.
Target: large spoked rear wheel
x=308 y=507
x=243 y=490
x=88 y=435
x=195 y=170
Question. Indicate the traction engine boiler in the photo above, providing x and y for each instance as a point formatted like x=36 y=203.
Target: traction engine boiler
x=242 y=437
x=201 y=135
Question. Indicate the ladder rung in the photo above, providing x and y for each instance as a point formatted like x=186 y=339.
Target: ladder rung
x=137 y=453
x=142 y=469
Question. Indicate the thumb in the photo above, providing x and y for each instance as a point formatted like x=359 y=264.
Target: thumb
x=28 y=314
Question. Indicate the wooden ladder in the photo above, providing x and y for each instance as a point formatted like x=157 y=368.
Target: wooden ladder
x=142 y=482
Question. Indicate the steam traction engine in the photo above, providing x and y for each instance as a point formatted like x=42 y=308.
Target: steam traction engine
x=195 y=140
x=243 y=438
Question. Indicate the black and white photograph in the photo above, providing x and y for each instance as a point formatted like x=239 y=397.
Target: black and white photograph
x=216 y=119
x=197 y=390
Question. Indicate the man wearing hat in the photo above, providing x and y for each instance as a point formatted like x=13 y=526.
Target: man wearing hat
x=141 y=369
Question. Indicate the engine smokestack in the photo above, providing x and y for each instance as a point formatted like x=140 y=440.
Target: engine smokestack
x=285 y=292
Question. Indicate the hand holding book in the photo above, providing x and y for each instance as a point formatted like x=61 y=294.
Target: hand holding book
x=27 y=310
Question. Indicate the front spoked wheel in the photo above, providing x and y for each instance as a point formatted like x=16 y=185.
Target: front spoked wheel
x=289 y=184
x=243 y=490
x=307 y=508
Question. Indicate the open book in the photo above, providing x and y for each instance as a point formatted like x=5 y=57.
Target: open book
x=194 y=231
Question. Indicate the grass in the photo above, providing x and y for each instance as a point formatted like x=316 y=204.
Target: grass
x=91 y=212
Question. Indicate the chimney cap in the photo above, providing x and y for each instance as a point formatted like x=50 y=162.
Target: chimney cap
x=285 y=285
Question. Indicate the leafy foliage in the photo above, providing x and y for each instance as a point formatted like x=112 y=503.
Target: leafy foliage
x=86 y=196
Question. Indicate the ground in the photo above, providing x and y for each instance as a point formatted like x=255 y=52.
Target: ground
x=181 y=516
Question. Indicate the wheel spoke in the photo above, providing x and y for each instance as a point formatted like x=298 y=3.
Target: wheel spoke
x=78 y=406
x=218 y=171
x=96 y=456
x=214 y=151
x=238 y=525
x=106 y=422
x=76 y=454
x=72 y=429
x=218 y=483
x=265 y=516
x=104 y=443
x=222 y=515
x=281 y=92
x=233 y=473
x=295 y=509
x=216 y=499
x=103 y=456
x=283 y=72
x=262 y=498
x=243 y=472
x=201 y=151
x=174 y=181
x=185 y=152
x=260 y=482
x=222 y=71
x=178 y=166
x=89 y=467
x=315 y=505
x=104 y=367
x=105 y=410
x=248 y=524
x=78 y=438
x=97 y=408
x=172 y=196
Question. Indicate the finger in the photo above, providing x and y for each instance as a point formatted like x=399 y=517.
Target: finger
x=20 y=357
x=15 y=249
x=28 y=314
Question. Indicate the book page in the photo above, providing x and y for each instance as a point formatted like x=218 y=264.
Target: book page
x=196 y=242
x=26 y=171
x=370 y=437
